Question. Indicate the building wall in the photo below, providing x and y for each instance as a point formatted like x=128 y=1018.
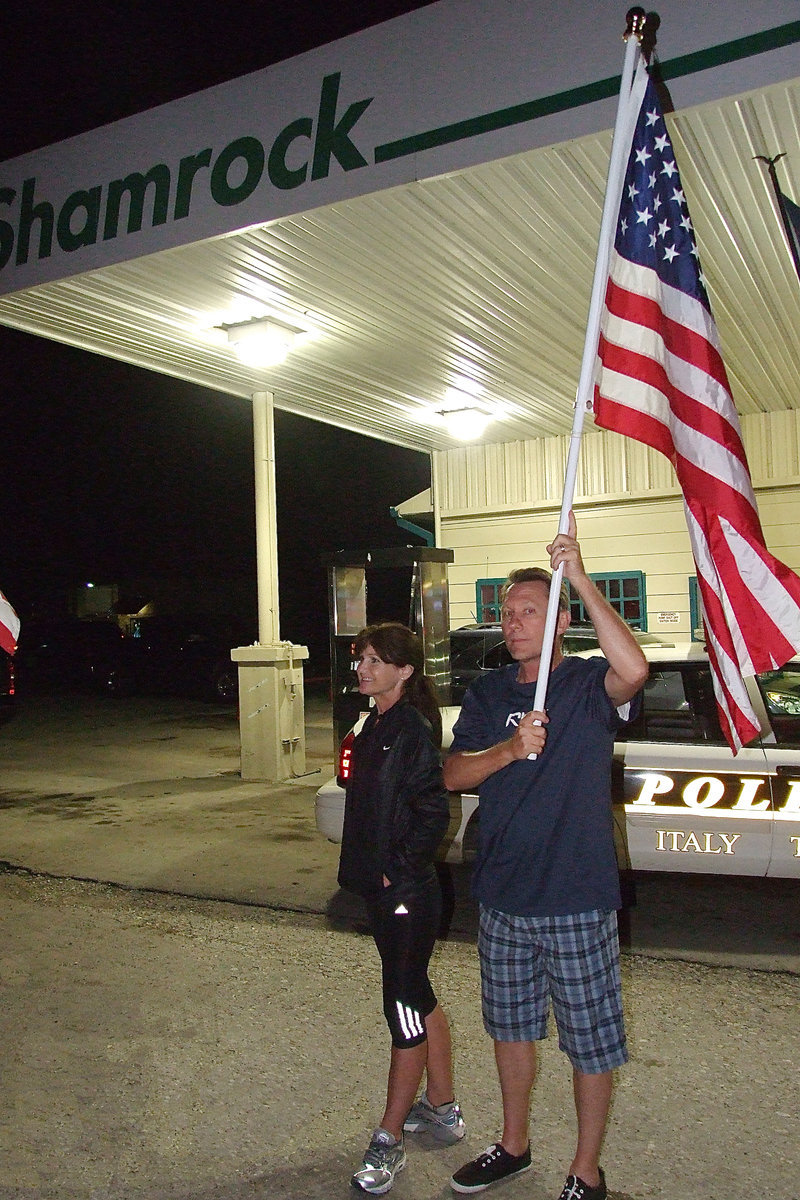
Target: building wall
x=500 y=505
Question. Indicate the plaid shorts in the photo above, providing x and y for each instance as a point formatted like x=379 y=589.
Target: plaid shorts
x=573 y=961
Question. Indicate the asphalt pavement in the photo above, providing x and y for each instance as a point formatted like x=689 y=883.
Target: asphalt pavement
x=190 y=1008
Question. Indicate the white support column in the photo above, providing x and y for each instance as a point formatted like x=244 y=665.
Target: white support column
x=436 y=495
x=266 y=519
x=271 y=701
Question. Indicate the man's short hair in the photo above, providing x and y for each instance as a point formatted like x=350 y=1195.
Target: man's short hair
x=534 y=575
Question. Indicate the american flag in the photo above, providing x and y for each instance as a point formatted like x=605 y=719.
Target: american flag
x=791 y=219
x=9 y=626
x=661 y=380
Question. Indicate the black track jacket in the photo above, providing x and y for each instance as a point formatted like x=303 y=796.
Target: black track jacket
x=397 y=810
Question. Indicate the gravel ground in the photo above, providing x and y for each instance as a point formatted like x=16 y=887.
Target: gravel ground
x=162 y=1047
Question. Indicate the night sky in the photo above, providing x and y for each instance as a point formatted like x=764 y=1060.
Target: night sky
x=114 y=474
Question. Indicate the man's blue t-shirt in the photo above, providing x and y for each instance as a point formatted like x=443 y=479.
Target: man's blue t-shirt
x=546 y=843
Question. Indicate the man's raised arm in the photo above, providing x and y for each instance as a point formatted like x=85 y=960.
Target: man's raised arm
x=628 y=665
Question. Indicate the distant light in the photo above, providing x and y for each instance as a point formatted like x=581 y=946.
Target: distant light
x=89 y=585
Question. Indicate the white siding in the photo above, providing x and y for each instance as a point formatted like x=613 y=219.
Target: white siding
x=500 y=506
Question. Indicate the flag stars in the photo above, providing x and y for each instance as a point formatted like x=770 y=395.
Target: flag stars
x=654 y=230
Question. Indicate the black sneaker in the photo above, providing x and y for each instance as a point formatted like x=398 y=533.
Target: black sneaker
x=576 y=1189
x=490 y=1167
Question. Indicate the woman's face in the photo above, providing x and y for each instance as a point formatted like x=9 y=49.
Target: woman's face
x=381 y=680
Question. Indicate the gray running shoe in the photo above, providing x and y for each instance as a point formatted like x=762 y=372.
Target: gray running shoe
x=445 y=1123
x=384 y=1157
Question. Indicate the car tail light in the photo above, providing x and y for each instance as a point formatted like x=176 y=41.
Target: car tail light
x=345 y=752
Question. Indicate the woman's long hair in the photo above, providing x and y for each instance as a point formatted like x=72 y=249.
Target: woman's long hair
x=396 y=644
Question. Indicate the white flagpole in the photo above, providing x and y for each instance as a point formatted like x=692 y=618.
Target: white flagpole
x=631 y=93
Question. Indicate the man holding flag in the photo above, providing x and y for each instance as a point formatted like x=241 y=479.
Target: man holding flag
x=546 y=875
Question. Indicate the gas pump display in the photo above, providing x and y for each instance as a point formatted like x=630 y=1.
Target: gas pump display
x=402 y=583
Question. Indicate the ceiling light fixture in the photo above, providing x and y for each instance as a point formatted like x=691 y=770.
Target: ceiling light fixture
x=464 y=417
x=465 y=424
x=262 y=343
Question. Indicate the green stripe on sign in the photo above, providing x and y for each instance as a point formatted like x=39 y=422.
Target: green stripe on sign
x=531 y=110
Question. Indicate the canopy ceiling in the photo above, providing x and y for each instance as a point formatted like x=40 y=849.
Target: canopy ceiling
x=491 y=266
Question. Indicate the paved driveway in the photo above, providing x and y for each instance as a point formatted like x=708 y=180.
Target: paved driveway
x=158 y=1044
x=146 y=793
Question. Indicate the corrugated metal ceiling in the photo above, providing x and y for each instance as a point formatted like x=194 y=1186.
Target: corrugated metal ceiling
x=485 y=273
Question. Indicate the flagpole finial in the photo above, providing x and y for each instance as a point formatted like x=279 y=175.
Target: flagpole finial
x=770 y=161
x=634 y=23
x=644 y=27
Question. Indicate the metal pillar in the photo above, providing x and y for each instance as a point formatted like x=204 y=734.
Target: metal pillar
x=349 y=610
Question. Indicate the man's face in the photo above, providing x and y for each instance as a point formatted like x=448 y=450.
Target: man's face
x=523 y=618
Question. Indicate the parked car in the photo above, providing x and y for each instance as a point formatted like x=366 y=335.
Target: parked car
x=161 y=656
x=478 y=648
x=188 y=657
x=67 y=654
x=682 y=801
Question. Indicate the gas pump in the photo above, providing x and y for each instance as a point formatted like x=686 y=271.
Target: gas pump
x=397 y=583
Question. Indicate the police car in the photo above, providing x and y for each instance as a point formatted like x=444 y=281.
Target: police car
x=682 y=800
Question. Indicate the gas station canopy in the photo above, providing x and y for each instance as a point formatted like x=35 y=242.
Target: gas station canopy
x=418 y=206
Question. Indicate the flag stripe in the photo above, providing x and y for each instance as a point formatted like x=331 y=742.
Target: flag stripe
x=667 y=401
x=725 y=645
x=629 y=300
x=689 y=449
x=705 y=403
x=694 y=366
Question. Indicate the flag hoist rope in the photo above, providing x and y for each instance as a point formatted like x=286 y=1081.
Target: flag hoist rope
x=631 y=94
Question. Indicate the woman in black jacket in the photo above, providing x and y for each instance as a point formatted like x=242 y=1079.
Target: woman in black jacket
x=396 y=814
